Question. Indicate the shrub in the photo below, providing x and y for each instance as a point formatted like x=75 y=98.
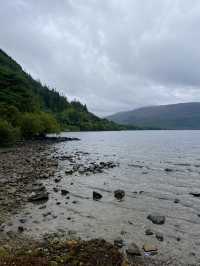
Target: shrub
x=36 y=124
x=8 y=134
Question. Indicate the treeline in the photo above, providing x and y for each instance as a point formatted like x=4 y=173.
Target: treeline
x=28 y=109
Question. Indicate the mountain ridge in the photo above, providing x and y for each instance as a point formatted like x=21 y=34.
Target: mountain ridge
x=170 y=116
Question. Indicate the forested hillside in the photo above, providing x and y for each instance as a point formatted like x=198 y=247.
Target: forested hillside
x=28 y=109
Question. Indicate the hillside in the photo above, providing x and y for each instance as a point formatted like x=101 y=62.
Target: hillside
x=18 y=89
x=173 y=116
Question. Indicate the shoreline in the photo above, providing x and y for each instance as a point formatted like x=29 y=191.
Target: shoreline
x=23 y=167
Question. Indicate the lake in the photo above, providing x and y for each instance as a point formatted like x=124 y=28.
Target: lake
x=157 y=170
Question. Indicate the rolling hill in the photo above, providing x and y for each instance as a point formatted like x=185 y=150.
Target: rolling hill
x=173 y=116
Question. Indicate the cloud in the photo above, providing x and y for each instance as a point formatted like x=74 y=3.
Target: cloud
x=113 y=55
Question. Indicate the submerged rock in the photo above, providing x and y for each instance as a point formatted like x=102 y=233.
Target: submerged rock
x=156 y=218
x=96 y=195
x=119 y=194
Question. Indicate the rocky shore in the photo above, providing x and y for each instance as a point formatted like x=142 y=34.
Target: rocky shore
x=22 y=172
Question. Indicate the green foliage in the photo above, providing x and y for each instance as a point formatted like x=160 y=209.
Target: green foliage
x=8 y=134
x=37 y=110
x=36 y=124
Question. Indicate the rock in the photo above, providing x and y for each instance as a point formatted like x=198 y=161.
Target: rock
x=195 y=194
x=58 y=179
x=69 y=172
x=64 y=192
x=55 y=189
x=119 y=194
x=168 y=170
x=160 y=237
x=20 y=229
x=118 y=242
x=23 y=220
x=96 y=195
x=148 y=232
x=150 y=248
x=156 y=218
x=176 y=201
x=41 y=196
x=133 y=250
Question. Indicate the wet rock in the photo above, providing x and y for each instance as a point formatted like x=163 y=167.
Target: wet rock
x=133 y=250
x=156 y=218
x=46 y=214
x=64 y=192
x=148 y=232
x=195 y=194
x=58 y=179
x=150 y=248
x=37 y=197
x=69 y=172
x=168 y=170
x=160 y=237
x=176 y=201
x=23 y=220
x=119 y=194
x=96 y=195
x=20 y=229
x=118 y=242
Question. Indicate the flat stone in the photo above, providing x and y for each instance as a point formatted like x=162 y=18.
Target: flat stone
x=150 y=248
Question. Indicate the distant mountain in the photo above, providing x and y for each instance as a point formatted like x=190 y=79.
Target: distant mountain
x=173 y=116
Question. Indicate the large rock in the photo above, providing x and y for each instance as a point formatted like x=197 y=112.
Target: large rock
x=156 y=218
x=96 y=195
x=119 y=194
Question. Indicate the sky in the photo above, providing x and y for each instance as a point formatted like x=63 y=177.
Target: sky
x=112 y=55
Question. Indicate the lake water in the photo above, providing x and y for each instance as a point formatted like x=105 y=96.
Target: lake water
x=143 y=158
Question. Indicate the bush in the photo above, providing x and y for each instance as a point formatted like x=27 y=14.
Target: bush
x=37 y=124
x=8 y=134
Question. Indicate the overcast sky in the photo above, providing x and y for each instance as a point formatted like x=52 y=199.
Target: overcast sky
x=113 y=55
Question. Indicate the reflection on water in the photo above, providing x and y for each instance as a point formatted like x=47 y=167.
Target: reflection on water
x=158 y=170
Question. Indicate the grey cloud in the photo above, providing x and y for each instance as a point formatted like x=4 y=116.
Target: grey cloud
x=113 y=55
